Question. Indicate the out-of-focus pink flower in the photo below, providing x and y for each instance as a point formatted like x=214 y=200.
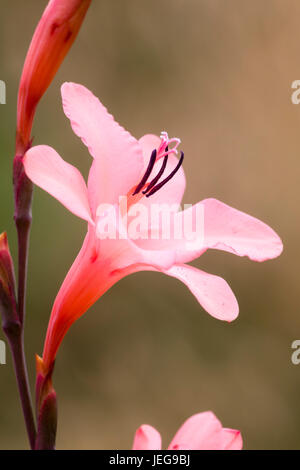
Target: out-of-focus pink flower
x=52 y=40
x=121 y=167
x=202 y=431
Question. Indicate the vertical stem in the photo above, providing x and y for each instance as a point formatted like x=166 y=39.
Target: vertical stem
x=23 y=228
x=15 y=337
x=23 y=190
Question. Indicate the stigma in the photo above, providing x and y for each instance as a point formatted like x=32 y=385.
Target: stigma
x=167 y=146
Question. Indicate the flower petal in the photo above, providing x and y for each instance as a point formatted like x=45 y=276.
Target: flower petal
x=234 y=231
x=118 y=156
x=231 y=439
x=100 y=264
x=147 y=438
x=63 y=181
x=202 y=431
x=198 y=432
x=149 y=142
x=212 y=292
x=229 y=229
x=212 y=224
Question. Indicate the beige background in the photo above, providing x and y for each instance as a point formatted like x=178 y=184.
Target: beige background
x=217 y=74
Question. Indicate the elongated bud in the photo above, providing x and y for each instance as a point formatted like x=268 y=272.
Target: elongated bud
x=51 y=42
x=46 y=408
x=7 y=275
x=10 y=320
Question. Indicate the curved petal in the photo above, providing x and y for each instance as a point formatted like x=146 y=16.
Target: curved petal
x=100 y=264
x=118 y=156
x=149 y=142
x=231 y=230
x=113 y=237
x=213 y=224
x=147 y=438
x=234 y=231
x=202 y=431
x=85 y=282
x=63 y=181
x=199 y=432
x=164 y=228
x=212 y=292
x=231 y=439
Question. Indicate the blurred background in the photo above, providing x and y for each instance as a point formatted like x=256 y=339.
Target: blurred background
x=218 y=75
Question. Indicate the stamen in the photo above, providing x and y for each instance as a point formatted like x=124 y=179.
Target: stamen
x=157 y=177
x=147 y=173
x=163 y=151
x=162 y=183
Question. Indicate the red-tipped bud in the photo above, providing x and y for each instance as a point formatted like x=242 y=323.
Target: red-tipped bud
x=46 y=408
x=51 y=42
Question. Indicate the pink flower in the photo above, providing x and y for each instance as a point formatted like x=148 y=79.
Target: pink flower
x=124 y=166
x=51 y=41
x=202 y=431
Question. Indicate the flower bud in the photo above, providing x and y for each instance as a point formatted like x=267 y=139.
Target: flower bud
x=7 y=277
x=46 y=406
x=8 y=312
x=51 y=42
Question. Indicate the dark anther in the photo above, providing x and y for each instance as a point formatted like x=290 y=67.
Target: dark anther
x=162 y=183
x=147 y=173
x=157 y=177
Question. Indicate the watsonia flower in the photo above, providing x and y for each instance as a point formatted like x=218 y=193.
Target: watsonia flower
x=145 y=172
x=202 y=431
